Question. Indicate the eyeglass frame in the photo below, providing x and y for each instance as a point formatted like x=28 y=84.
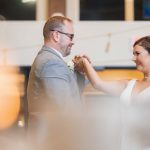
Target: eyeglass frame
x=71 y=36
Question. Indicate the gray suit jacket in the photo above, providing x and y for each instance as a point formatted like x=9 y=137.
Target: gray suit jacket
x=51 y=82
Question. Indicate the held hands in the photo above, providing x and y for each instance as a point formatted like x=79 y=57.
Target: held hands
x=79 y=62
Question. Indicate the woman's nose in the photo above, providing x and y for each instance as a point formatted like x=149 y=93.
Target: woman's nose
x=134 y=58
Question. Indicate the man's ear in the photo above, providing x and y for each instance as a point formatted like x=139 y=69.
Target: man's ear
x=55 y=36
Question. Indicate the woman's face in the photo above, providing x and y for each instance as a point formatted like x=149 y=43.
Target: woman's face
x=141 y=57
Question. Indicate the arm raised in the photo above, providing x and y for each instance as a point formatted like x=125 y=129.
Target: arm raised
x=110 y=87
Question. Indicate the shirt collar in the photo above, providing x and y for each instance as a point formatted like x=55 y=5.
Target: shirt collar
x=58 y=52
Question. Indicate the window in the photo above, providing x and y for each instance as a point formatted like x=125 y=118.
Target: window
x=142 y=9
x=17 y=10
x=146 y=9
x=101 y=9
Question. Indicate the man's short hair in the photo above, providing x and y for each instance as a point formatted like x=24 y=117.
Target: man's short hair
x=54 y=23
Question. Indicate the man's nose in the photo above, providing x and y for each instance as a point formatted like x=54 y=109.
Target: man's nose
x=72 y=42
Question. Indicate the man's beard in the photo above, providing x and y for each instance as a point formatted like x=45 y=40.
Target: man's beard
x=67 y=50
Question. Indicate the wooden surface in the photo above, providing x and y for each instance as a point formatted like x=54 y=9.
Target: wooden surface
x=113 y=74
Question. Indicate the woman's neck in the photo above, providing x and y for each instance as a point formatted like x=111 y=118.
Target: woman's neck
x=147 y=77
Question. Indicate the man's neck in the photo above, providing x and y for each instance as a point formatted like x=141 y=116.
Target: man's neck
x=54 y=48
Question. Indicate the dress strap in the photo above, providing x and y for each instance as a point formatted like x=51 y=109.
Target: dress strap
x=126 y=94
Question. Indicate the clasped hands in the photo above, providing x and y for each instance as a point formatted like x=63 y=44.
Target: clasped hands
x=78 y=61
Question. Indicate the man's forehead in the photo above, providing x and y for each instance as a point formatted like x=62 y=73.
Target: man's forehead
x=68 y=25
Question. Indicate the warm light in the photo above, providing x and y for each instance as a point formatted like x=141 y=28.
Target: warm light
x=26 y=1
x=9 y=97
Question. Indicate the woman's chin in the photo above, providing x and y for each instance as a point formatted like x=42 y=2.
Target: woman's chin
x=140 y=68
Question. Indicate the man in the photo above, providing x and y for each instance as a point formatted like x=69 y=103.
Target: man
x=51 y=83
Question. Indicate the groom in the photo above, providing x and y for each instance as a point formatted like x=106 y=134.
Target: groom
x=51 y=83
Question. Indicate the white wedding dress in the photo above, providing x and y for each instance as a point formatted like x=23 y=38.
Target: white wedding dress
x=135 y=119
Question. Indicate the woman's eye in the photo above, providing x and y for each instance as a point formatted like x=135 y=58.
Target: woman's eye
x=136 y=53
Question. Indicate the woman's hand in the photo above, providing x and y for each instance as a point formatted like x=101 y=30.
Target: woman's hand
x=79 y=62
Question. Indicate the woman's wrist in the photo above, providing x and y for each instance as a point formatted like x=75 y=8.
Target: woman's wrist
x=85 y=61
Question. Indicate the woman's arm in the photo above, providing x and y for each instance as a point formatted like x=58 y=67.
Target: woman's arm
x=110 y=87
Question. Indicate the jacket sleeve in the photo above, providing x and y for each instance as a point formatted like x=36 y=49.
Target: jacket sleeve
x=80 y=78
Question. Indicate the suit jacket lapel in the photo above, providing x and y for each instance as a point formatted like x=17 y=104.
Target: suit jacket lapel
x=44 y=48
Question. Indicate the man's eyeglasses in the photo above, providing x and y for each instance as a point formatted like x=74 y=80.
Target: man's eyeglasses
x=71 y=36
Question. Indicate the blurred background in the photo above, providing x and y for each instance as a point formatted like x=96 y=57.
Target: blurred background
x=104 y=30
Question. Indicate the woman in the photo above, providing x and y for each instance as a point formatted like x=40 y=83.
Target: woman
x=136 y=134
x=141 y=57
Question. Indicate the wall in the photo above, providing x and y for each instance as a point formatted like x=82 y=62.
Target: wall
x=107 y=43
x=20 y=41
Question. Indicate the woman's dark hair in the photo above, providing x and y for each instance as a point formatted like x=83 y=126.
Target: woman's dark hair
x=144 y=42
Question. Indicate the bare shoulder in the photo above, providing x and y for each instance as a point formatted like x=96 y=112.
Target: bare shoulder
x=122 y=84
x=116 y=87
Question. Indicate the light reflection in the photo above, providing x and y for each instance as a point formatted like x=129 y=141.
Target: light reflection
x=26 y=1
x=9 y=96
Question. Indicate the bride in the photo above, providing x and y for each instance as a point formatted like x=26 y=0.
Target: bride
x=132 y=92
